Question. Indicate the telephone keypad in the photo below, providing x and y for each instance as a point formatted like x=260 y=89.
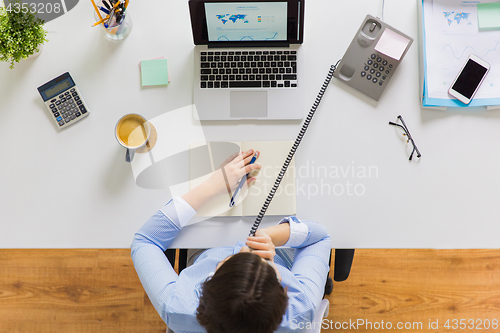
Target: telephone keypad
x=377 y=68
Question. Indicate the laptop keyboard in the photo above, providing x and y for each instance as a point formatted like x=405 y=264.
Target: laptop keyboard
x=248 y=69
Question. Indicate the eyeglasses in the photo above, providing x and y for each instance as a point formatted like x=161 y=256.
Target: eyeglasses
x=408 y=136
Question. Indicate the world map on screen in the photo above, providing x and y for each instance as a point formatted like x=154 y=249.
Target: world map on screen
x=232 y=17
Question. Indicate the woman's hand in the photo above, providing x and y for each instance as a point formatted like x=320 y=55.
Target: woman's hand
x=224 y=180
x=228 y=176
x=262 y=245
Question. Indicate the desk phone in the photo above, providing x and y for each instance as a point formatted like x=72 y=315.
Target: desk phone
x=372 y=57
x=64 y=101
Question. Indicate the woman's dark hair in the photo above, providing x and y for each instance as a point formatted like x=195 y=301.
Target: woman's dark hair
x=243 y=296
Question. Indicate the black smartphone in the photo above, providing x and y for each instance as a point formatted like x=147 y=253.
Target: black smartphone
x=469 y=79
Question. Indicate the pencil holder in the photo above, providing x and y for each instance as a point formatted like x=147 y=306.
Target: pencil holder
x=116 y=28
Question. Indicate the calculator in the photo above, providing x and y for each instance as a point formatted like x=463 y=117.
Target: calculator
x=64 y=101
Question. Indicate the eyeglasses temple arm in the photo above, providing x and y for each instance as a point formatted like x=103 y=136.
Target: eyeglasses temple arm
x=409 y=138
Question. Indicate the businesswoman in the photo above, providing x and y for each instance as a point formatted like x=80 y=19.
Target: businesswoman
x=230 y=289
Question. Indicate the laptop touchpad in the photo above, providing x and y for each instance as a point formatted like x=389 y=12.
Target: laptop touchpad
x=248 y=104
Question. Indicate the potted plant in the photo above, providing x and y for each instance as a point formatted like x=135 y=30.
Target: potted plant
x=21 y=32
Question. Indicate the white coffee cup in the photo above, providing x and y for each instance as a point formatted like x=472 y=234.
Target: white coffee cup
x=132 y=132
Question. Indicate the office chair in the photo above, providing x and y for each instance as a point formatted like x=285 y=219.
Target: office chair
x=341 y=271
x=321 y=312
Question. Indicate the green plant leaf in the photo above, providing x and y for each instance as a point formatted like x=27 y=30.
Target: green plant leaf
x=20 y=34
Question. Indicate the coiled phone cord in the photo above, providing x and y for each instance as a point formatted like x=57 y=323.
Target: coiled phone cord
x=296 y=144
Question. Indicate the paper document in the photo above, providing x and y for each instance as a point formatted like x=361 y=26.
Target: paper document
x=451 y=35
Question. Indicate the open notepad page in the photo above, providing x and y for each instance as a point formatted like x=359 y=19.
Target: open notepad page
x=272 y=156
x=251 y=199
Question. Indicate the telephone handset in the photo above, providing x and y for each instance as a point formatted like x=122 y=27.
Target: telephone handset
x=296 y=144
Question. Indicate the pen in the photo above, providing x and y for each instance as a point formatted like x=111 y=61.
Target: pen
x=104 y=10
x=242 y=182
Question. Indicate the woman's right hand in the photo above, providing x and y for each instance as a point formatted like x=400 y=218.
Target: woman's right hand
x=228 y=176
x=224 y=180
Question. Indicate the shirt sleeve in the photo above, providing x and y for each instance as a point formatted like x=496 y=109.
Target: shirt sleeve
x=179 y=211
x=153 y=238
x=312 y=259
x=311 y=264
x=298 y=231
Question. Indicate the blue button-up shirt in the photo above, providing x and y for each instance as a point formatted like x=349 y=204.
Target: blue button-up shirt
x=175 y=297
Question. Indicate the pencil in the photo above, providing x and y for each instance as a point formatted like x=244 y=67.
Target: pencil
x=101 y=21
x=96 y=9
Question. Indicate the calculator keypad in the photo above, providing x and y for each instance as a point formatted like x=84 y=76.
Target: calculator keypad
x=377 y=69
x=67 y=108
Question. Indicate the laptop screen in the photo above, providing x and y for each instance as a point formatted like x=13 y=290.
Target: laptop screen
x=246 y=21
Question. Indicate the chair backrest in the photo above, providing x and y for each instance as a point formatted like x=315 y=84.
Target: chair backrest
x=321 y=312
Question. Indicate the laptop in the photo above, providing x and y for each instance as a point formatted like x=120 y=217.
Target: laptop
x=248 y=59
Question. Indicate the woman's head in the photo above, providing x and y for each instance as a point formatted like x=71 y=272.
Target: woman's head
x=244 y=295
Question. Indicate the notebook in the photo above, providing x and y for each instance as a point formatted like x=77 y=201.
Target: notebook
x=248 y=59
x=272 y=155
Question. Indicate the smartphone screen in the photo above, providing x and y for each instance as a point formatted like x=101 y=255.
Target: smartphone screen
x=469 y=78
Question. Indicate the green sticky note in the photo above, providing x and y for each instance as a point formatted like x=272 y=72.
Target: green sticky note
x=488 y=15
x=154 y=72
